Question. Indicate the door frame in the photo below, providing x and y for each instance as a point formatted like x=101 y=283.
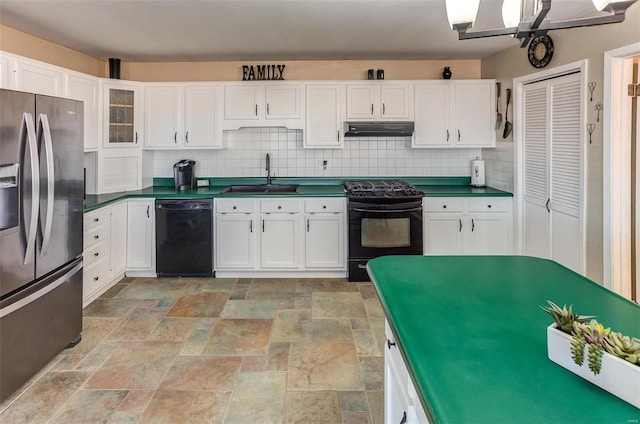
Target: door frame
x=580 y=66
x=616 y=178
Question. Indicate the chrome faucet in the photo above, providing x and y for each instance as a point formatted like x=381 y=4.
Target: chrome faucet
x=268 y=168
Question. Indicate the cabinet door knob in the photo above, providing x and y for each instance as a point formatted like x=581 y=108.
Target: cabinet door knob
x=489 y=206
x=279 y=207
x=96 y=219
x=324 y=207
x=96 y=254
x=235 y=207
x=96 y=278
x=444 y=206
x=96 y=237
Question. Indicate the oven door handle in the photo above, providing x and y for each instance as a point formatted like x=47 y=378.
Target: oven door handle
x=387 y=210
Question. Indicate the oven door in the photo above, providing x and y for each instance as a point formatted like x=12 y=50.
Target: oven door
x=383 y=229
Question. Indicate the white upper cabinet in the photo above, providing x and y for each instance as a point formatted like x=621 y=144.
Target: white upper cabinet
x=382 y=100
x=38 y=78
x=323 y=117
x=86 y=89
x=122 y=115
x=6 y=71
x=179 y=116
x=454 y=114
x=268 y=104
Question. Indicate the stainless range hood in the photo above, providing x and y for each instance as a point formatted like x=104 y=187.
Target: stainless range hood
x=379 y=129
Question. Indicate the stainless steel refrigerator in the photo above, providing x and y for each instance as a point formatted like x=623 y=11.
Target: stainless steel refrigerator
x=41 y=218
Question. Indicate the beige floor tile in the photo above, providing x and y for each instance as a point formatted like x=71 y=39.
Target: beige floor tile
x=337 y=305
x=209 y=373
x=104 y=307
x=356 y=418
x=375 y=399
x=321 y=407
x=366 y=344
x=325 y=284
x=257 y=309
x=119 y=417
x=372 y=369
x=173 y=329
x=136 y=400
x=41 y=401
x=241 y=337
x=94 y=331
x=89 y=406
x=138 y=324
x=272 y=289
x=373 y=308
x=292 y=325
x=277 y=357
x=147 y=288
x=324 y=365
x=172 y=407
x=258 y=398
x=135 y=365
x=205 y=304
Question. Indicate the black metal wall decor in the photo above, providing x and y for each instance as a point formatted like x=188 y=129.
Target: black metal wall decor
x=262 y=72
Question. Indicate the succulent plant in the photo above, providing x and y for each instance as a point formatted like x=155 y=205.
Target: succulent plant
x=623 y=347
x=594 y=335
x=564 y=317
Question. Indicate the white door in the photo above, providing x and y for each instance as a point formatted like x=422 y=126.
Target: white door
x=324 y=241
x=86 y=90
x=118 y=239
x=283 y=101
x=279 y=241
x=361 y=101
x=235 y=241
x=432 y=110
x=443 y=234
x=121 y=116
x=141 y=250
x=323 y=116
x=565 y=173
x=396 y=101
x=201 y=119
x=163 y=112
x=473 y=122
x=243 y=102
x=536 y=229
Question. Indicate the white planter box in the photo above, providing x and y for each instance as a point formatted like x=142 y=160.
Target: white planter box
x=617 y=376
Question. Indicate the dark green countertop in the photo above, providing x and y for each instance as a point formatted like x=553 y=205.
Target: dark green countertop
x=309 y=186
x=473 y=336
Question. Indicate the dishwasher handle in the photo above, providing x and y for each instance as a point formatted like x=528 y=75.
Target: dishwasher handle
x=183 y=205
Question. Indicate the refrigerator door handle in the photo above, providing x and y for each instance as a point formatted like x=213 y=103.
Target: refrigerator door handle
x=44 y=132
x=29 y=132
x=58 y=281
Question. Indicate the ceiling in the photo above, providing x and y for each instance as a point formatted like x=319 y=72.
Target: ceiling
x=227 y=30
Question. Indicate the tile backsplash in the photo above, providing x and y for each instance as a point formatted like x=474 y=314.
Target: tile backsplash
x=361 y=156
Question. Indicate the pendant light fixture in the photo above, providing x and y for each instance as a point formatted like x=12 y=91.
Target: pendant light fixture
x=462 y=15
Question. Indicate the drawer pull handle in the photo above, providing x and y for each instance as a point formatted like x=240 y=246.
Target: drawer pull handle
x=390 y=343
x=96 y=237
x=96 y=278
x=96 y=254
x=473 y=225
x=460 y=230
x=96 y=219
x=404 y=417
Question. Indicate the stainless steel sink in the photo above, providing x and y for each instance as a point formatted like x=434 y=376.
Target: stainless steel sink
x=262 y=188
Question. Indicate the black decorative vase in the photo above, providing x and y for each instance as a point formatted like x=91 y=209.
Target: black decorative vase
x=114 y=68
x=446 y=74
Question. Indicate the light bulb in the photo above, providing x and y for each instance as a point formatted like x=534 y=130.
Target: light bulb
x=511 y=13
x=462 y=11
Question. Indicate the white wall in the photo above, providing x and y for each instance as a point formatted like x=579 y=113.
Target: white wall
x=361 y=156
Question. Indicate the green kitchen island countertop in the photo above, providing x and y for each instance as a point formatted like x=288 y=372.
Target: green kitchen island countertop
x=474 y=338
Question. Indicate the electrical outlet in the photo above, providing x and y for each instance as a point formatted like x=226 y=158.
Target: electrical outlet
x=323 y=165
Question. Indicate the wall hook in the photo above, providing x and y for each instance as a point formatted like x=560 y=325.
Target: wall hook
x=598 y=108
x=592 y=86
x=590 y=128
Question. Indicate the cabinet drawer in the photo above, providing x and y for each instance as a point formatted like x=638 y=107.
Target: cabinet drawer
x=95 y=218
x=95 y=276
x=96 y=252
x=489 y=204
x=235 y=206
x=394 y=357
x=279 y=206
x=324 y=205
x=443 y=204
x=96 y=235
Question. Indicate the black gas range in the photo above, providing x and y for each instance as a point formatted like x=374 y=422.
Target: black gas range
x=381 y=190
x=385 y=218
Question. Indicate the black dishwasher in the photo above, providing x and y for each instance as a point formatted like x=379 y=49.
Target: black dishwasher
x=184 y=237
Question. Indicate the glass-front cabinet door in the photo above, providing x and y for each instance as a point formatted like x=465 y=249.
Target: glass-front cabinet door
x=121 y=114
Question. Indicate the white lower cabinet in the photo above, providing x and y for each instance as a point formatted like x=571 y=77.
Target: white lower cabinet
x=104 y=249
x=141 y=240
x=274 y=235
x=401 y=402
x=325 y=237
x=468 y=226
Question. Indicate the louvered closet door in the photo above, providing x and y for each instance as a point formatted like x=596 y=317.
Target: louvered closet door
x=553 y=171
x=536 y=170
x=566 y=164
